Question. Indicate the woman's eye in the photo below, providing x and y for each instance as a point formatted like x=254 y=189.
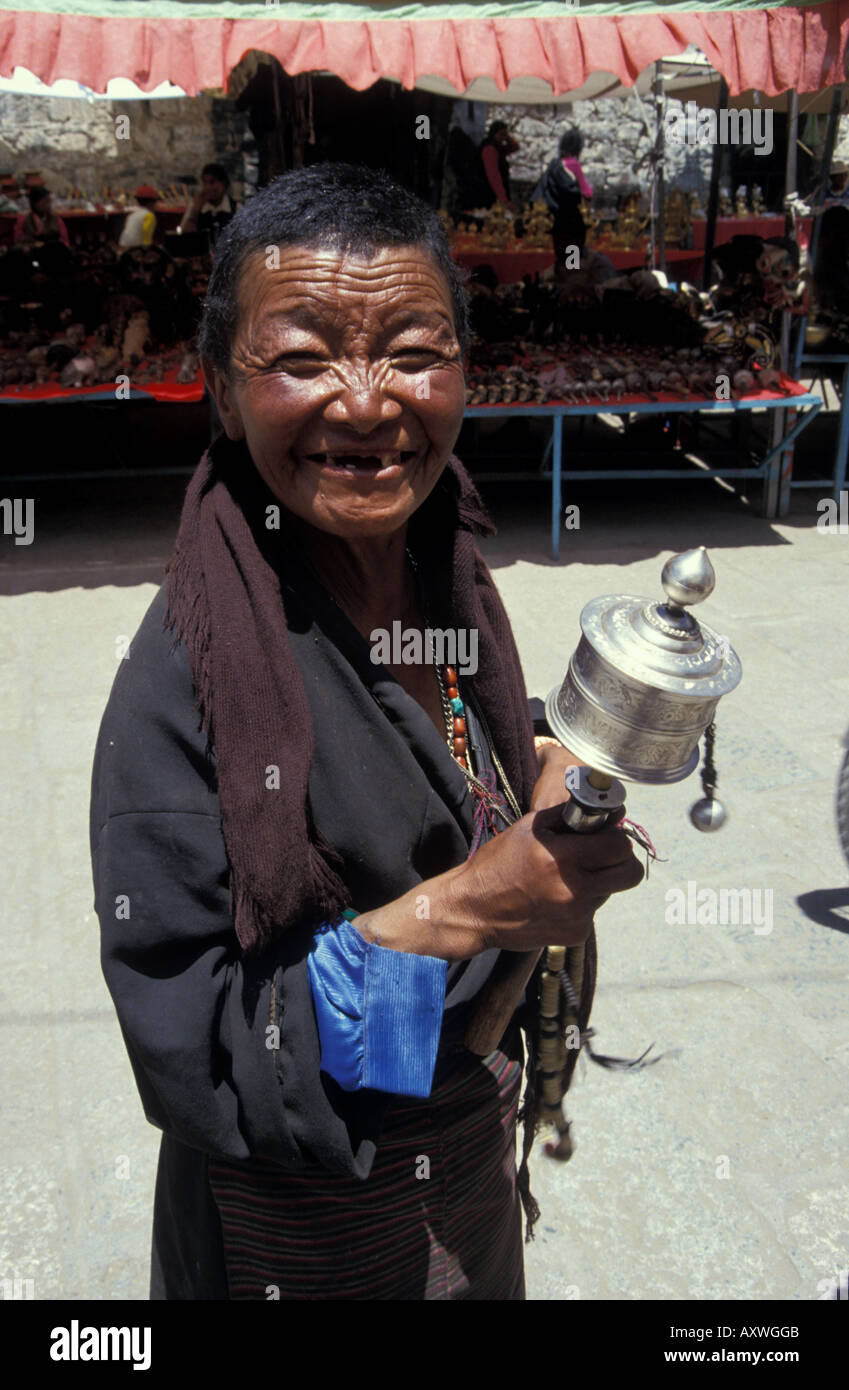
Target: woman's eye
x=300 y=361
x=415 y=358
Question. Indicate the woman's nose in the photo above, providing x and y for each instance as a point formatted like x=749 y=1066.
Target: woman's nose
x=363 y=403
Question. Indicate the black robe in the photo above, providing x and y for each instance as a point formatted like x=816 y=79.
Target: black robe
x=197 y=1015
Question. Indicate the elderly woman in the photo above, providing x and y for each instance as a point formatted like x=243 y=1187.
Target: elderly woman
x=307 y=858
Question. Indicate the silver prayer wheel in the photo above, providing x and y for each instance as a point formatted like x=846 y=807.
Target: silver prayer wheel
x=645 y=679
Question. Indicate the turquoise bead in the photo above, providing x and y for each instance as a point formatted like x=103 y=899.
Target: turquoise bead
x=457 y=705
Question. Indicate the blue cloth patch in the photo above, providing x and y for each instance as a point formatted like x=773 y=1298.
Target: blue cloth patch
x=379 y=1012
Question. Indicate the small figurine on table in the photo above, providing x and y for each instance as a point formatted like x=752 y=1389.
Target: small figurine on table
x=725 y=208
x=497 y=227
x=742 y=208
x=758 y=206
x=538 y=224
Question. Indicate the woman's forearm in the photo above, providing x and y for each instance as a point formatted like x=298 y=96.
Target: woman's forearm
x=429 y=920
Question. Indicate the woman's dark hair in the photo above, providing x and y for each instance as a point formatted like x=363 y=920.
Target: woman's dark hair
x=216 y=171
x=36 y=195
x=495 y=127
x=571 y=144
x=338 y=207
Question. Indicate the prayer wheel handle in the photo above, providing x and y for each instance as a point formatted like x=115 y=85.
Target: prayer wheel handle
x=594 y=800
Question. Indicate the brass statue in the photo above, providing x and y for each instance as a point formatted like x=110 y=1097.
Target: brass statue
x=538 y=222
x=677 y=216
x=632 y=222
x=497 y=228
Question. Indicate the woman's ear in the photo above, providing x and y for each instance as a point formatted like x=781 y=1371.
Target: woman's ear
x=221 y=388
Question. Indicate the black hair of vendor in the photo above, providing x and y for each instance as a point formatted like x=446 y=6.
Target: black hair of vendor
x=340 y=207
x=36 y=195
x=216 y=171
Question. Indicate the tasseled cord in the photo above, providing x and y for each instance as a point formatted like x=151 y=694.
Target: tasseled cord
x=527 y=1117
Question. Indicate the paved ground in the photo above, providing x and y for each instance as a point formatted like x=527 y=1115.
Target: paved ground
x=721 y=1172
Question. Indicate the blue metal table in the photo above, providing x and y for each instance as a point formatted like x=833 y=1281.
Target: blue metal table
x=840 y=360
x=768 y=470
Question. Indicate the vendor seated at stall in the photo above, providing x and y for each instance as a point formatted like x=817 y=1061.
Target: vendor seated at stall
x=212 y=207
x=140 y=223
x=583 y=270
x=40 y=223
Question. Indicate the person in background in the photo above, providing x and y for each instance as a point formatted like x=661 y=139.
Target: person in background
x=838 y=185
x=212 y=207
x=830 y=279
x=561 y=188
x=569 y=153
x=140 y=222
x=581 y=283
x=494 y=169
x=40 y=223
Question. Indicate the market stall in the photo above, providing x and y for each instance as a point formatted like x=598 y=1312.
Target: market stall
x=86 y=228
x=81 y=317
x=95 y=322
x=772 y=49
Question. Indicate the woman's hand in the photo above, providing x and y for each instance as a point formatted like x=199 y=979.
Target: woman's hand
x=534 y=885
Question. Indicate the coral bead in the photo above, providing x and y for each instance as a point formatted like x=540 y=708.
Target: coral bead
x=459 y=748
x=459 y=726
x=450 y=676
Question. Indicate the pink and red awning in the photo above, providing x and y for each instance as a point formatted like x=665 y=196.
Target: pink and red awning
x=196 y=45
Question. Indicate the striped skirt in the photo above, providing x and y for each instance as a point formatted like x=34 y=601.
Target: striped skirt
x=438 y=1217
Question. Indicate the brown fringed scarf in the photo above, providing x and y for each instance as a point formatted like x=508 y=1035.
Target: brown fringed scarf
x=225 y=602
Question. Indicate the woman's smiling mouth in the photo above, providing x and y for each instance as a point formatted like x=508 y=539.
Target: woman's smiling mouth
x=373 y=464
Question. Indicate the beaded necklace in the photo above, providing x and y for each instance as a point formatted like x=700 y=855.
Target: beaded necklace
x=489 y=801
x=455 y=713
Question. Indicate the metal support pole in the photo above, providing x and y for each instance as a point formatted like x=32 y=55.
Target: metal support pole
x=556 y=483
x=659 y=180
x=713 y=196
x=778 y=499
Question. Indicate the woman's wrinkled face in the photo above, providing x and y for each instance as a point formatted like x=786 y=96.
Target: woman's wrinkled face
x=346 y=383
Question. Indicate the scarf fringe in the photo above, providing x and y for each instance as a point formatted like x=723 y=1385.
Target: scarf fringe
x=255 y=930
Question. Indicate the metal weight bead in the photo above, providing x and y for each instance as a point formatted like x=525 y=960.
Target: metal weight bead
x=708 y=814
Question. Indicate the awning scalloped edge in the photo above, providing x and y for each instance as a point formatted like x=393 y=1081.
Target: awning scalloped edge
x=770 y=49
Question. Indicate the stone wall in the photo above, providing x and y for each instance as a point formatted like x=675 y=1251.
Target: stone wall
x=618 y=136
x=123 y=143
x=89 y=144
